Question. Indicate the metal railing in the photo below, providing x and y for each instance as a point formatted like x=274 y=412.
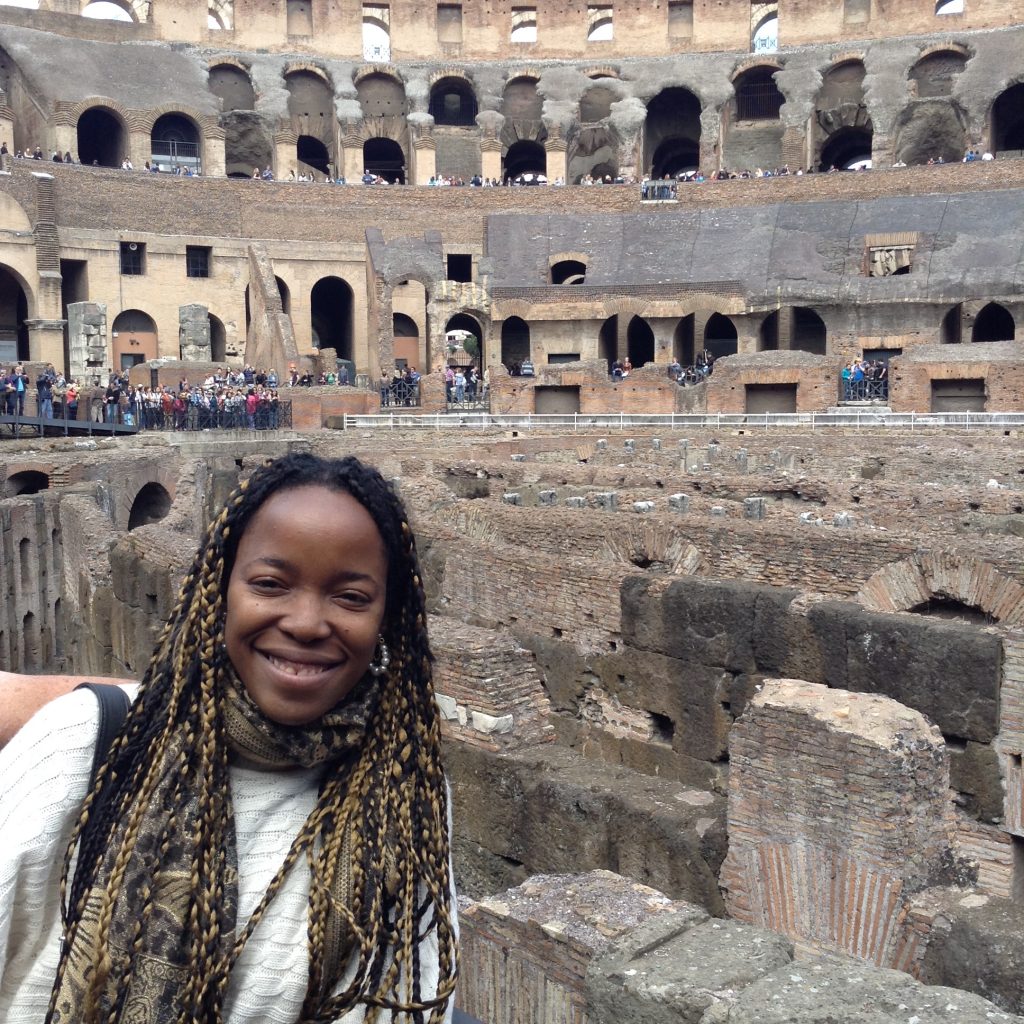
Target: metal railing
x=853 y=419
x=659 y=190
x=866 y=390
x=268 y=416
x=400 y=393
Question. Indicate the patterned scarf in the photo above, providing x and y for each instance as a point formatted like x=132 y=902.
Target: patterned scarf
x=164 y=850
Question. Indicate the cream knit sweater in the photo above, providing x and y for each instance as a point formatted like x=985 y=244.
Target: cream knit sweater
x=44 y=772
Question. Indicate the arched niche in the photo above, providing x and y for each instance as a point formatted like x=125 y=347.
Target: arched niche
x=768 y=333
x=951 y=328
x=757 y=96
x=847 y=149
x=406 y=335
x=936 y=73
x=381 y=95
x=101 y=137
x=14 y=306
x=569 y=272
x=1008 y=120
x=28 y=481
x=151 y=504
x=233 y=86
x=683 y=341
x=520 y=100
x=467 y=322
x=218 y=339
x=311 y=152
x=596 y=104
x=330 y=310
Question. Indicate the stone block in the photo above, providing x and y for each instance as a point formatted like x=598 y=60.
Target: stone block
x=608 y=500
x=718 y=511
x=602 y=444
x=643 y=506
x=576 y=501
x=844 y=520
x=518 y=458
x=488 y=724
x=679 y=969
x=754 y=508
x=679 y=503
x=810 y=519
x=512 y=498
x=547 y=498
x=656 y=444
x=630 y=446
x=448 y=706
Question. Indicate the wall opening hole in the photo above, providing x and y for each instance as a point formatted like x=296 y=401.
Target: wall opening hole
x=662 y=728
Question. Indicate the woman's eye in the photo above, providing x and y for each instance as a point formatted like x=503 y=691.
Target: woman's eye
x=353 y=597
x=266 y=584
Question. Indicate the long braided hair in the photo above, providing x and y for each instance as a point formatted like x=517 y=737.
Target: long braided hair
x=393 y=799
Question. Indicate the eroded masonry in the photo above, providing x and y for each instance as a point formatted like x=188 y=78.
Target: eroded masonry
x=759 y=695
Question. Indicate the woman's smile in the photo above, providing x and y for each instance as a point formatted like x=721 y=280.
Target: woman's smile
x=306 y=601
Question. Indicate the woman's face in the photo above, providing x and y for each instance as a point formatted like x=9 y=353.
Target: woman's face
x=305 y=602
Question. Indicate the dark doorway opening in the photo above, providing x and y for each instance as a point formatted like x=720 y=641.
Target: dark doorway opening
x=640 y=342
x=608 y=341
x=525 y=157
x=313 y=153
x=151 y=504
x=964 y=395
x=809 y=333
x=770 y=398
x=846 y=149
x=951 y=328
x=330 y=308
x=384 y=157
x=460 y=267
x=994 y=323
x=549 y=400
x=720 y=338
x=101 y=138
x=515 y=342
x=1008 y=120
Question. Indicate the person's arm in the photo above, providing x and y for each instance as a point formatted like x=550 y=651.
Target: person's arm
x=21 y=696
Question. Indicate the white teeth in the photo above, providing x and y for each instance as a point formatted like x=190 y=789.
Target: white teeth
x=295 y=668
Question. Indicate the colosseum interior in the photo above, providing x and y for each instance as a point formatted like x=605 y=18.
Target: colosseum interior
x=732 y=684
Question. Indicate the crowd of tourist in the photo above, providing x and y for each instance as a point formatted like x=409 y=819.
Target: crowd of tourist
x=400 y=387
x=865 y=379
x=52 y=390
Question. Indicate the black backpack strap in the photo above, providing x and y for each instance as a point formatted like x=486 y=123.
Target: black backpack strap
x=114 y=705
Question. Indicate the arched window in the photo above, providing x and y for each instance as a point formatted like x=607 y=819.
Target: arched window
x=470 y=336
x=381 y=96
x=13 y=314
x=105 y=10
x=600 y=24
x=453 y=102
x=757 y=96
x=949 y=7
x=768 y=334
x=313 y=153
x=524 y=25
x=568 y=272
x=765 y=37
x=994 y=323
x=521 y=101
x=376 y=32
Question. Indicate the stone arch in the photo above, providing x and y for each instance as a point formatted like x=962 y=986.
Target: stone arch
x=720 y=336
x=951 y=327
x=683 y=341
x=218 y=339
x=473 y=321
x=602 y=71
x=653 y=548
x=152 y=503
x=524 y=157
x=137 y=10
x=221 y=14
x=768 y=333
x=672 y=132
x=843 y=129
x=453 y=100
x=26 y=481
x=809 y=331
x=17 y=306
x=311 y=111
x=1006 y=120
x=596 y=104
x=385 y=158
x=231 y=82
x=949 y=575
x=568 y=268
x=639 y=342
x=101 y=135
x=993 y=323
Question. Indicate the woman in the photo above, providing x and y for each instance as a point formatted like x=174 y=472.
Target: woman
x=268 y=838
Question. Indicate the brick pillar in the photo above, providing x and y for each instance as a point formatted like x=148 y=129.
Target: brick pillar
x=834 y=865
x=424 y=161
x=46 y=341
x=214 y=156
x=557 y=159
x=622 y=335
x=490 y=158
x=352 y=155
x=285 y=159
x=140 y=143
x=785 y=327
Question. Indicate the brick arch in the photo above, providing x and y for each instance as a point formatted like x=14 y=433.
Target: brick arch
x=530 y=72
x=387 y=70
x=559 y=257
x=602 y=71
x=393 y=128
x=755 y=62
x=235 y=62
x=449 y=72
x=850 y=57
x=137 y=10
x=307 y=65
x=206 y=124
x=512 y=307
x=74 y=111
x=626 y=306
x=927 y=51
x=652 y=547
x=904 y=585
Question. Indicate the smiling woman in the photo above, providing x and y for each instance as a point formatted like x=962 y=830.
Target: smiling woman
x=268 y=840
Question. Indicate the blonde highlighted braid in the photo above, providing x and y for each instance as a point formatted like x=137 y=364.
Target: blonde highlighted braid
x=381 y=823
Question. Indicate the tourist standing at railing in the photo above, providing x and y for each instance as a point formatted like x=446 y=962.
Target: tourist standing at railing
x=21 y=383
x=460 y=386
x=71 y=401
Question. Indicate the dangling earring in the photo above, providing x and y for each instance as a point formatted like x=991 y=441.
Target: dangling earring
x=379 y=667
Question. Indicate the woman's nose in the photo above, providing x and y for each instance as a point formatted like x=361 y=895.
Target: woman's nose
x=305 y=617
